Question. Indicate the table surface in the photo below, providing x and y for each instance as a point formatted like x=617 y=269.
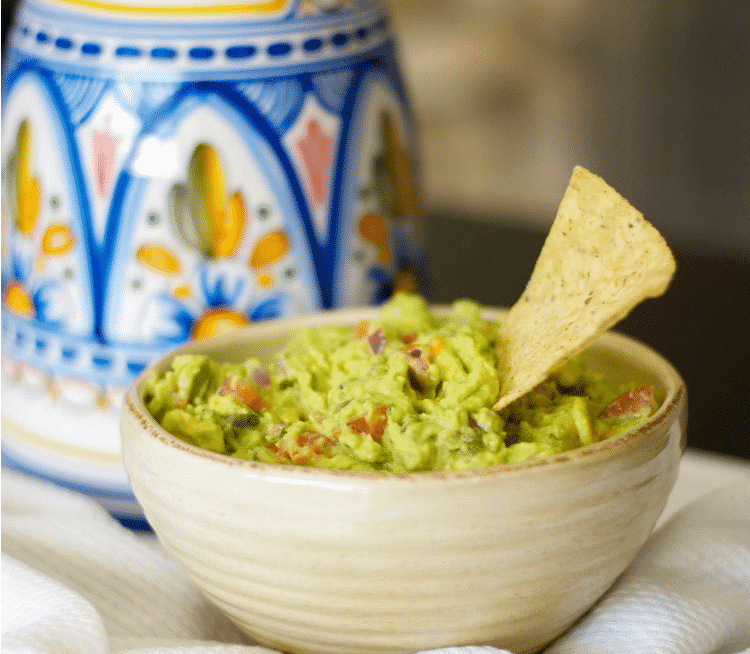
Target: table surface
x=700 y=324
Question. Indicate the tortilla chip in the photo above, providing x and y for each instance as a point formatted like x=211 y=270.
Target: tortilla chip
x=600 y=259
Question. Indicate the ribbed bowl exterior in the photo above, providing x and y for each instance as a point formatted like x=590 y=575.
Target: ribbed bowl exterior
x=314 y=561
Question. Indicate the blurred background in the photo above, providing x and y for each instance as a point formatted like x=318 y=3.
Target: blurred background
x=654 y=96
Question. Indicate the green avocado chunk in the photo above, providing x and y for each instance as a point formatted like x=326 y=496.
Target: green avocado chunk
x=407 y=391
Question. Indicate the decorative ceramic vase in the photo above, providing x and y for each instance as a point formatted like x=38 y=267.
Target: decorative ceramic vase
x=172 y=171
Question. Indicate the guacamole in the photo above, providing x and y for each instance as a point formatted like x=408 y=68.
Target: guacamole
x=408 y=391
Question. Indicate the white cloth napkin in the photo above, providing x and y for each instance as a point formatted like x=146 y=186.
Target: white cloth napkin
x=74 y=581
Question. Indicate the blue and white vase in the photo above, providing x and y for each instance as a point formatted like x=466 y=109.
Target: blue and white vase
x=171 y=171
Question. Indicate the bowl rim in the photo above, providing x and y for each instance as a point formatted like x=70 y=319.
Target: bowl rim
x=670 y=410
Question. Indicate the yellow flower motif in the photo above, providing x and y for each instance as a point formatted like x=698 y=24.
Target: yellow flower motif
x=269 y=248
x=206 y=220
x=23 y=189
x=182 y=291
x=265 y=280
x=57 y=239
x=217 y=322
x=158 y=258
x=19 y=300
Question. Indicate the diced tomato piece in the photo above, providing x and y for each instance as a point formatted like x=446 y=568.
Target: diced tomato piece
x=303 y=448
x=376 y=341
x=409 y=337
x=378 y=422
x=259 y=404
x=635 y=402
x=359 y=425
x=436 y=345
x=283 y=454
x=374 y=427
x=361 y=328
x=316 y=442
x=243 y=392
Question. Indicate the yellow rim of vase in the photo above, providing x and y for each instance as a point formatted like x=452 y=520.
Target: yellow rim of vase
x=53 y=447
x=266 y=7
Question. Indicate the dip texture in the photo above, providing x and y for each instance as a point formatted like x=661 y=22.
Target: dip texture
x=406 y=392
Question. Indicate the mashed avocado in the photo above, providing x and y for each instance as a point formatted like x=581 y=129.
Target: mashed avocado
x=408 y=391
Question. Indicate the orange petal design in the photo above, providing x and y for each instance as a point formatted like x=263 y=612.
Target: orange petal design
x=58 y=239
x=216 y=322
x=265 y=280
x=182 y=291
x=19 y=301
x=270 y=248
x=373 y=229
x=158 y=258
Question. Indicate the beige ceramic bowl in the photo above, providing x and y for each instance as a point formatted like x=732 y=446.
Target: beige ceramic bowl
x=309 y=560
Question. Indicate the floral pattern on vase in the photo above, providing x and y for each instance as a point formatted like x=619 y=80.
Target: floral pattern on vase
x=177 y=175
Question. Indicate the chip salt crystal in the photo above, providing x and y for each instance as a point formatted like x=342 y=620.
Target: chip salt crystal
x=600 y=259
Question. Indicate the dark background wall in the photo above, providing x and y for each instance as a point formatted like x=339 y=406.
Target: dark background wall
x=700 y=324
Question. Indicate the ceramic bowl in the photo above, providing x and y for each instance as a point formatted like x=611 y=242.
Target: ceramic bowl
x=332 y=562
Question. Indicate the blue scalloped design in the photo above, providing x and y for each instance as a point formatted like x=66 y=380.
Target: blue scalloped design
x=201 y=53
x=279 y=101
x=298 y=39
x=66 y=354
x=240 y=52
x=81 y=94
x=163 y=54
x=79 y=218
x=155 y=95
x=63 y=43
x=331 y=88
x=128 y=51
x=91 y=49
x=255 y=74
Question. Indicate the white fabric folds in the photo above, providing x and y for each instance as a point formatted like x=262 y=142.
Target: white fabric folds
x=74 y=581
